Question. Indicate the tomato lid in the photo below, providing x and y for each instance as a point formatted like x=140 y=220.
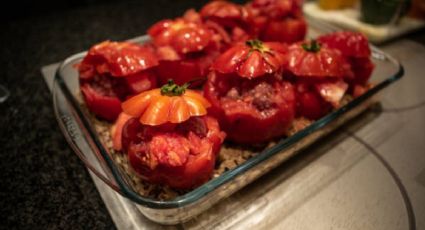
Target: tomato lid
x=170 y=103
x=252 y=59
x=120 y=59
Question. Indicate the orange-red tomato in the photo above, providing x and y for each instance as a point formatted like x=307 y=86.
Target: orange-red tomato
x=154 y=107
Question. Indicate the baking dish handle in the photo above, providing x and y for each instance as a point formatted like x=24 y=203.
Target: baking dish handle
x=78 y=138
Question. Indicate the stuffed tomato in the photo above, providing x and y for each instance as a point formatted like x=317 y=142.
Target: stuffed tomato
x=168 y=137
x=186 y=47
x=112 y=71
x=318 y=73
x=355 y=47
x=247 y=94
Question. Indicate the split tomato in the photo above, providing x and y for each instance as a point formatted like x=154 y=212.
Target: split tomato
x=112 y=71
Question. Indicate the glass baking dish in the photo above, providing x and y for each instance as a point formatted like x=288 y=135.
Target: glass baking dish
x=86 y=143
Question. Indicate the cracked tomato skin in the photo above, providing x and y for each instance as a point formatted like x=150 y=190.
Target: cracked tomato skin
x=250 y=111
x=355 y=47
x=251 y=59
x=181 y=155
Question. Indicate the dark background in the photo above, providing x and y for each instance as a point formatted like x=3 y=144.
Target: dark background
x=43 y=183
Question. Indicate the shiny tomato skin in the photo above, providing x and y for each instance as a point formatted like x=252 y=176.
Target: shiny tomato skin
x=252 y=59
x=119 y=59
x=250 y=110
x=102 y=105
x=182 y=35
x=181 y=156
x=287 y=30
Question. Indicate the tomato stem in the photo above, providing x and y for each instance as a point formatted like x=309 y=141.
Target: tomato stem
x=172 y=89
x=256 y=44
x=313 y=46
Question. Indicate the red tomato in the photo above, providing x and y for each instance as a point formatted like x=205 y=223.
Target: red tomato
x=183 y=36
x=287 y=30
x=355 y=47
x=112 y=71
x=310 y=60
x=181 y=156
x=252 y=59
x=251 y=110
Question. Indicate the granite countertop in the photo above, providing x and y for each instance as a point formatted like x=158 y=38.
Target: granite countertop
x=44 y=184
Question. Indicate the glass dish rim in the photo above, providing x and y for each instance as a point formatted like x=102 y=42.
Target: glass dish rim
x=199 y=192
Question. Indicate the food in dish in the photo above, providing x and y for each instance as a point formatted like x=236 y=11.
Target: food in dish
x=255 y=91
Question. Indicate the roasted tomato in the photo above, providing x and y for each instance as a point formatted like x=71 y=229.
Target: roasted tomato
x=169 y=139
x=248 y=97
x=252 y=59
x=251 y=110
x=320 y=69
x=112 y=71
x=355 y=47
x=185 y=48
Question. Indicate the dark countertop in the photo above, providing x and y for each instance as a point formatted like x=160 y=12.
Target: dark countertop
x=44 y=184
